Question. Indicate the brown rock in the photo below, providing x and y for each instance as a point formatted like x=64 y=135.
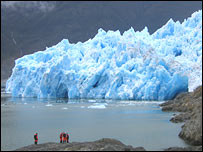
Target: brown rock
x=105 y=144
x=191 y=106
x=182 y=117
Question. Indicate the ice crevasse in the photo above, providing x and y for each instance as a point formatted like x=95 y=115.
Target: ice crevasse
x=132 y=65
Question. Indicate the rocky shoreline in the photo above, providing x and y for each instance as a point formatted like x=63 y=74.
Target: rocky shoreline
x=188 y=104
x=190 y=107
x=105 y=144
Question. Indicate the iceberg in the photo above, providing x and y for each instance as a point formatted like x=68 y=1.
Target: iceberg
x=128 y=66
x=98 y=106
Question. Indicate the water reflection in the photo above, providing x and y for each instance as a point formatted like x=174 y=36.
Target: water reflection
x=8 y=98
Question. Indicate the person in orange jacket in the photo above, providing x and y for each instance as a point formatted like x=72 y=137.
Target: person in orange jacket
x=61 y=136
x=64 y=137
x=36 y=138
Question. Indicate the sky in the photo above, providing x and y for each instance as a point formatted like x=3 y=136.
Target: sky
x=43 y=6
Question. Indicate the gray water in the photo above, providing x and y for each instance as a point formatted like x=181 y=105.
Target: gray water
x=135 y=123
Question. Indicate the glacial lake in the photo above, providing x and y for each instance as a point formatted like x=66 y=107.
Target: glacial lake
x=136 y=123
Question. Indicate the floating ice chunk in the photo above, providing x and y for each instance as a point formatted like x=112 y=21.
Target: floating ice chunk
x=91 y=101
x=49 y=105
x=98 y=106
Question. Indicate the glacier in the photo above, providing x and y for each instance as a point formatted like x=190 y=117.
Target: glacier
x=128 y=66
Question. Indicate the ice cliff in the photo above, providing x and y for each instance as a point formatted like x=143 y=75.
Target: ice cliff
x=132 y=65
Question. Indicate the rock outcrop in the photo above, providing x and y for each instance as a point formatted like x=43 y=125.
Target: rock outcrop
x=105 y=144
x=190 y=104
x=192 y=148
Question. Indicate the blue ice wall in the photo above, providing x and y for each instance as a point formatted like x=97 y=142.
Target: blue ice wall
x=132 y=65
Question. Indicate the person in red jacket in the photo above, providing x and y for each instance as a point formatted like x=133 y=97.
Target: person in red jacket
x=36 y=138
x=61 y=136
x=64 y=137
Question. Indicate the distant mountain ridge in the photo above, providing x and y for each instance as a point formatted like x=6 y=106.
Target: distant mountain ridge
x=26 y=31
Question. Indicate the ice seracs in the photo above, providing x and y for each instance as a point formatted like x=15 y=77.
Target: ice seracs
x=132 y=65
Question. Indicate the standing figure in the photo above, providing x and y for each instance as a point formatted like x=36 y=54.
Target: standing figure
x=61 y=136
x=64 y=137
x=36 y=138
x=67 y=137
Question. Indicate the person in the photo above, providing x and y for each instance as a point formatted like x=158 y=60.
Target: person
x=61 y=136
x=64 y=137
x=36 y=138
x=67 y=137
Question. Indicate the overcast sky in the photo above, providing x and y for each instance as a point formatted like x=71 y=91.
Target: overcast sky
x=40 y=5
